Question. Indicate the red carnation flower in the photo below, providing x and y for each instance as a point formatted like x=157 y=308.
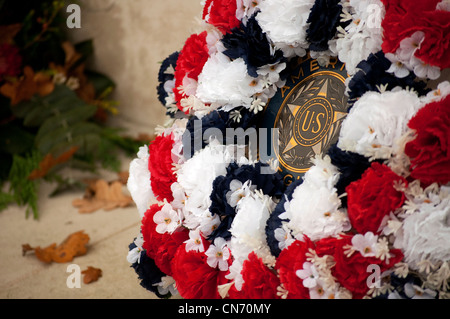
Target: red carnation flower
x=352 y=272
x=190 y=63
x=373 y=197
x=430 y=150
x=10 y=60
x=289 y=261
x=404 y=17
x=221 y=14
x=259 y=281
x=160 y=247
x=160 y=167
x=195 y=279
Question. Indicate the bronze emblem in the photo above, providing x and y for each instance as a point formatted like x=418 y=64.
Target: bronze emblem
x=308 y=112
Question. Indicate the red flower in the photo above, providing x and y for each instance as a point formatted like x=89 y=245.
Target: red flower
x=190 y=63
x=259 y=281
x=195 y=279
x=160 y=247
x=373 y=197
x=160 y=167
x=352 y=272
x=289 y=261
x=430 y=150
x=221 y=14
x=10 y=60
x=404 y=17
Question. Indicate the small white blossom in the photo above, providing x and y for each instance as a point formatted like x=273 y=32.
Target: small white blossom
x=218 y=254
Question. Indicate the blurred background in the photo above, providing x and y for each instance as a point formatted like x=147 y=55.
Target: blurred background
x=131 y=39
x=54 y=156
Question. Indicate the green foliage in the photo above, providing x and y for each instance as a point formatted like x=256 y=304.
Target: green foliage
x=63 y=119
x=22 y=190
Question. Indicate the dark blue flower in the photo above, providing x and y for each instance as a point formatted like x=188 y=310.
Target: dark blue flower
x=323 y=20
x=197 y=133
x=373 y=73
x=274 y=220
x=269 y=184
x=350 y=166
x=148 y=273
x=250 y=43
x=163 y=77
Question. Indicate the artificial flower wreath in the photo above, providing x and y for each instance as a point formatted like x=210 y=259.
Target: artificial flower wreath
x=376 y=202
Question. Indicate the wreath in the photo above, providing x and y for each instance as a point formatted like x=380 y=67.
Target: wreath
x=370 y=218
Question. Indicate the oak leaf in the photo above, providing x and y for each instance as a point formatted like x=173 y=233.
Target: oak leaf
x=102 y=195
x=91 y=274
x=50 y=161
x=28 y=85
x=73 y=246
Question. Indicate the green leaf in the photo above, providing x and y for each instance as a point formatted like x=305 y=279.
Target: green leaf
x=63 y=138
x=77 y=114
x=23 y=189
x=60 y=100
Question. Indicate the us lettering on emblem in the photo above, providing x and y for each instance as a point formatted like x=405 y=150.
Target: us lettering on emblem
x=308 y=112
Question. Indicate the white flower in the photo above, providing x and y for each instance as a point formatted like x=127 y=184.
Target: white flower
x=271 y=71
x=134 y=255
x=248 y=233
x=208 y=163
x=362 y=36
x=314 y=209
x=285 y=22
x=444 y=5
x=426 y=232
x=319 y=292
x=218 y=254
x=195 y=242
x=441 y=91
x=366 y=244
x=377 y=122
x=225 y=82
x=416 y=292
x=257 y=106
x=408 y=46
x=398 y=67
x=424 y=70
x=308 y=274
x=237 y=191
x=167 y=220
x=138 y=183
x=246 y=8
x=73 y=83
x=236 y=116
x=179 y=197
x=283 y=236
x=208 y=223
x=167 y=285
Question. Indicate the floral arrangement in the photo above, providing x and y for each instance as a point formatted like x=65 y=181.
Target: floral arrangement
x=369 y=219
x=54 y=109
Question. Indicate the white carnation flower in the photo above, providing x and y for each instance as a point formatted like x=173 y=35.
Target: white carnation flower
x=377 y=122
x=196 y=176
x=284 y=22
x=248 y=232
x=315 y=209
x=363 y=35
x=426 y=232
x=138 y=182
x=225 y=82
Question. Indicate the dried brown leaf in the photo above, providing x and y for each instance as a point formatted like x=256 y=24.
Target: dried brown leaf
x=74 y=245
x=105 y=196
x=91 y=274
